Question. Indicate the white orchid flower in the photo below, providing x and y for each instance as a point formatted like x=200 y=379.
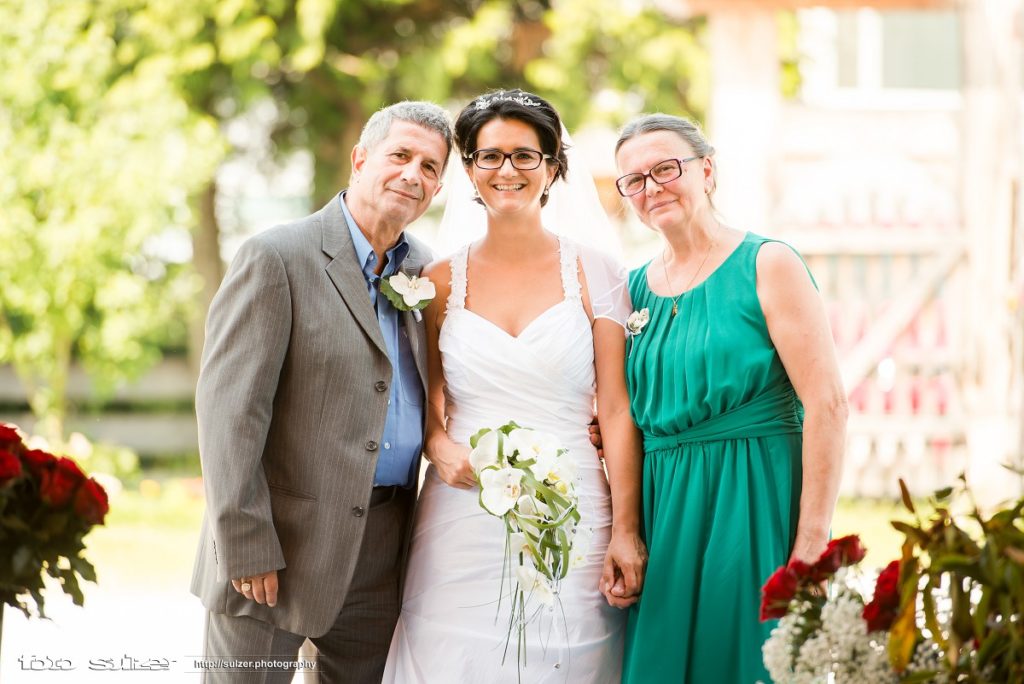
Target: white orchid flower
x=414 y=289
x=580 y=546
x=556 y=469
x=500 y=489
x=637 y=320
x=485 y=453
x=533 y=583
x=532 y=444
x=517 y=544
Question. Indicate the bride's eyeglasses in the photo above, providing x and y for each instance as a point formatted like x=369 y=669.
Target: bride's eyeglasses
x=523 y=159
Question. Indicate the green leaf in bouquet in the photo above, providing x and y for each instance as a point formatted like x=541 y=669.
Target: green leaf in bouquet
x=931 y=619
x=943 y=494
x=476 y=437
x=953 y=561
x=914 y=534
x=70 y=583
x=55 y=523
x=83 y=568
x=12 y=522
x=905 y=495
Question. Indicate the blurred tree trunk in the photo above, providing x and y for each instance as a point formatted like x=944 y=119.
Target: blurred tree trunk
x=209 y=267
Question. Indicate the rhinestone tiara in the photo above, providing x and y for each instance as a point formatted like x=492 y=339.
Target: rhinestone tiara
x=525 y=100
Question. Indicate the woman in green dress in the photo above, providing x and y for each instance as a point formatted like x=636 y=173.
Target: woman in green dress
x=735 y=384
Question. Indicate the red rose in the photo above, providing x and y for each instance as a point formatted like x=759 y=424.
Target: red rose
x=885 y=604
x=91 y=502
x=839 y=553
x=10 y=467
x=58 y=484
x=9 y=435
x=778 y=591
x=37 y=461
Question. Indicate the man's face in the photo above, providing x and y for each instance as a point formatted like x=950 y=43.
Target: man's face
x=394 y=181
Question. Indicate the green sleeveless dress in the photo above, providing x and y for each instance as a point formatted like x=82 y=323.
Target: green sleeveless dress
x=721 y=479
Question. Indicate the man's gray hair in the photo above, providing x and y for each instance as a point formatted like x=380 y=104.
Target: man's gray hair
x=426 y=114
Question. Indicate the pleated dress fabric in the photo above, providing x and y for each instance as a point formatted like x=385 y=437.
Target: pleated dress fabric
x=721 y=479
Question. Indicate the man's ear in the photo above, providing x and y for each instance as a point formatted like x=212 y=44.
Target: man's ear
x=358 y=158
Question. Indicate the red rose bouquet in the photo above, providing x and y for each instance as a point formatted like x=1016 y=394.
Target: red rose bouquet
x=47 y=505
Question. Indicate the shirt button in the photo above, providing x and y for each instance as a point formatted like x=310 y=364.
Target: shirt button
x=380 y=386
x=371 y=446
x=358 y=511
x=387 y=445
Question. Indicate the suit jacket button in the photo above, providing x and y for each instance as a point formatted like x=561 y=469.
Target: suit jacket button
x=358 y=511
x=371 y=446
x=380 y=386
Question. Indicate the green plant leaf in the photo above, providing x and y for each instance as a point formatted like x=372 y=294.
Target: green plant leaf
x=905 y=495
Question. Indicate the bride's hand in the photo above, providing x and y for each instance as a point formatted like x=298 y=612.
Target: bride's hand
x=452 y=463
x=624 y=564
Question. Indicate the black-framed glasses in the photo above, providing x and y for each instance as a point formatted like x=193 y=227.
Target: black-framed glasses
x=660 y=173
x=523 y=159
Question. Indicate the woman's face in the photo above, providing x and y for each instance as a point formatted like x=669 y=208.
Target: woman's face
x=662 y=206
x=508 y=190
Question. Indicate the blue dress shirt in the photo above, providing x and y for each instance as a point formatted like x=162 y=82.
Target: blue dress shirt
x=402 y=442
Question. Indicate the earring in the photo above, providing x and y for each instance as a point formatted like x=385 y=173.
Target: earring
x=547 y=190
x=476 y=192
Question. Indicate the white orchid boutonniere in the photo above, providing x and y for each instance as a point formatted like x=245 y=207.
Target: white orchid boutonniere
x=636 y=321
x=408 y=293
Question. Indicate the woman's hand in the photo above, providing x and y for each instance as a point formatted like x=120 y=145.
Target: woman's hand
x=625 y=562
x=452 y=463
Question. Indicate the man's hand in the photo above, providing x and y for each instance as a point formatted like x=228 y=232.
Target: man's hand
x=452 y=463
x=259 y=588
x=595 y=437
x=624 y=564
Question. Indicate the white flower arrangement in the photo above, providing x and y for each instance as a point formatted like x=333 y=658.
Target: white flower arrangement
x=528 y=480
x=636 y=321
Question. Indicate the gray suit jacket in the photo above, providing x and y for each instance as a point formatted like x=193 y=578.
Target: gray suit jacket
x=291 y=402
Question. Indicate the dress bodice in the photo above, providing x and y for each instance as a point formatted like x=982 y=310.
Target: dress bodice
x=542 y=379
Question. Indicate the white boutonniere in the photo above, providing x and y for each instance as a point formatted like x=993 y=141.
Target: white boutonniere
x=636 y=321
x=408 y=293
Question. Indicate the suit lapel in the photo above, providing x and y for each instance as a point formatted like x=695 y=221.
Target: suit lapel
x=344 y=272
x=413 y=265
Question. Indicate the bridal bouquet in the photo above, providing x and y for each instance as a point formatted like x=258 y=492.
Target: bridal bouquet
x=527 y=479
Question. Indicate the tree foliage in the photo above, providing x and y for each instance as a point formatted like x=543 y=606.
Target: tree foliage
x=100 y=157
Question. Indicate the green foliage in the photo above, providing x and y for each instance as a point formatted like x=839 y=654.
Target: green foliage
x=979 y=574
x=607 y=61
x=100 y=156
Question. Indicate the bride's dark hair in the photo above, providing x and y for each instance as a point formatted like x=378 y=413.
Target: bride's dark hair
x=520 y=105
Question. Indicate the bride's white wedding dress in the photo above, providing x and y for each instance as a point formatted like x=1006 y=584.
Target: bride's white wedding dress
x=451 y=629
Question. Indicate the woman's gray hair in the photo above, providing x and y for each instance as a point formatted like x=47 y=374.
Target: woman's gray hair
x=684 y=128
x=426 y=114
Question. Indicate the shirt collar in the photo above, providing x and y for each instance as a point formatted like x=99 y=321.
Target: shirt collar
x=364 y=251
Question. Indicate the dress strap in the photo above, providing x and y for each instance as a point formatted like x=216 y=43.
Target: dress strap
x=457 y=294
x=568 y=258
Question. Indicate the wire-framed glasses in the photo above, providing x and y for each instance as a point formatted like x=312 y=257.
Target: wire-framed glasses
x=523 y=159
x=660 y=173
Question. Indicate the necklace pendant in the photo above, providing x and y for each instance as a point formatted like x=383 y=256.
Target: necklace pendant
x=675 y=308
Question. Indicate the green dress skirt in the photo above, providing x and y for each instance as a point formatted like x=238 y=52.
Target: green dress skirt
x=722 y=466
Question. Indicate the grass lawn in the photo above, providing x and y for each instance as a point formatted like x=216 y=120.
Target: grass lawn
x=150 y=535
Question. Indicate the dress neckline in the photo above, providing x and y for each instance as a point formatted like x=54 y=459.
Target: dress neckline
x=647 y=267
x=567 y=277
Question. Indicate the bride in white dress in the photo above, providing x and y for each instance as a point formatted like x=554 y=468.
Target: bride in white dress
x=525 y=327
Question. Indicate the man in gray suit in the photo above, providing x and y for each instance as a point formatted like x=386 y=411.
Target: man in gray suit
x=310 y=407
